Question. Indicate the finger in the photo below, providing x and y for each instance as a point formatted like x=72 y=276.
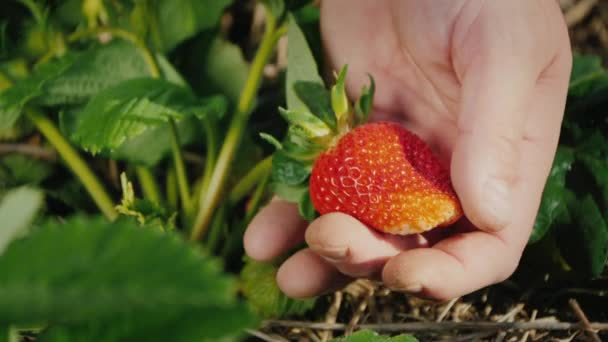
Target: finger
x=352 y=247
x=305 y=274
x=452 y=268
x=468 y=261
x=276 y=229
x=498 y=83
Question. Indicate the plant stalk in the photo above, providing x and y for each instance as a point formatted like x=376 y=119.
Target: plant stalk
x=148 y=184
x=171 y=188
x=211 y=195
x=180 y=170
x=77 y=165
x=211 y=154
x=248 y=182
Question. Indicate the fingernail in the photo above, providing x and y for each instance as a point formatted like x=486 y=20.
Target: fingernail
x=332 y=254
x=411 y=288
x=498 y=203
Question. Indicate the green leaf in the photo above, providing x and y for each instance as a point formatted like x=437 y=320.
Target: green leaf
x=287 y=170
x=154 y=144
x=302 y=66
x=310 y=126
x=271 y=140
x=288 y=192
x=120 y=270
x=181 y=19
x=587 y=70
x=275 y=7
x=17 y=211
x=130 y=108
x=339 y=100
x=150 y=147
x=584 y=242
x=306 y=208
x=217 y=324
x=318 y=101
x=226 y=68
x=371 y=336
x=14 y=98
x=258 y=283
x=552 y=203
x=598 y=169
x=94 y=70
x=18 y=169
x=365 y=103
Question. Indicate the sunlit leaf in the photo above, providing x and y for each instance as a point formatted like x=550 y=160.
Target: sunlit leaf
x=258 y=283
x=130 y=108
x=302 y=66
x=17 y=210
x=14 y=98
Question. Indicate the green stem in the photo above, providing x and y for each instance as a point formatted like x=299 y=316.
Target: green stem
x=248 y=182
x=74 y=162
x=210 y=128
x=256 y=198
x=180 y=169
x=34 y=7
x=148 y=184
x=171 y=189
x=210 y=196
x=235 y=238
x=217 y=224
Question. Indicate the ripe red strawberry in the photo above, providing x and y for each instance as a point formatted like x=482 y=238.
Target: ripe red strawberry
x=386 y=177
x=379 y=173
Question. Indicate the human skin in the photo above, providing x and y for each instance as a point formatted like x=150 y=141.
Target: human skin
x=485 y=84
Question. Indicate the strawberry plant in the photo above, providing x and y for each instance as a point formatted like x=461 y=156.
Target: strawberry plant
x=570 y=227
x=139 y=138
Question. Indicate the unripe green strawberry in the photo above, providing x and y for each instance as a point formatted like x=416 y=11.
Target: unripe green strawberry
x=387 y=177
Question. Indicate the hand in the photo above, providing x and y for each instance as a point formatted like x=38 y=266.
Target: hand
x=484 y=83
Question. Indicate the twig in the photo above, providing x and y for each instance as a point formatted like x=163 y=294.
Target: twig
x=501 y=336
x=312 y=335
x=263 y=336
x=360 y=310
x=511 y=314
x=579 y=11
x=446 y=310
x=471 y=337
x=584 y=321
x=527 y=333
x=539 y=324
x=31 y=150
x=331 y=316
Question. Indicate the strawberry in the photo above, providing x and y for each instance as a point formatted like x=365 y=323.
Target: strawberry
x=387 y=177
x=332 y=160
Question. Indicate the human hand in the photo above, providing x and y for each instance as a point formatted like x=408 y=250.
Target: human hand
x=484 y=83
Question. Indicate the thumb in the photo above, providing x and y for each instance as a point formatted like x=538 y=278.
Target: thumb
x=496 y=88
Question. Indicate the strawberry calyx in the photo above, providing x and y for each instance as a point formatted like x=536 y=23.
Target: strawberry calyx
x=328 y=115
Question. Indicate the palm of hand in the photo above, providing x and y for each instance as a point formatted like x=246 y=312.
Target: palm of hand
x=417 y=83
x=484 y=84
